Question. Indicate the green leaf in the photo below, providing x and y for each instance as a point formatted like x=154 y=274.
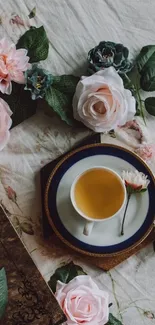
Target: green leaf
x=113 y=320
x=32 y=13
x=65 y=274
x=59 y=96
x=60 y=103
x=3 y=292
x=65 y=83
x=143 y=190
x=27 y=228
x=36 y=42
x=147 y=80
x=150 y=105
x=146 y=58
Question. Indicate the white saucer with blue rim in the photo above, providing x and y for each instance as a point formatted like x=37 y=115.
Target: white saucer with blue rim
x=105 y=237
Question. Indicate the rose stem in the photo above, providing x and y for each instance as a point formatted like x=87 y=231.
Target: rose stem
x=140 y=102
x=128 y=199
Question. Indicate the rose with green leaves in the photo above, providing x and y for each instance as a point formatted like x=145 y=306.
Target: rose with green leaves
x=108 y=54
x=38 y=81
x=83 y=302
x=79 y=296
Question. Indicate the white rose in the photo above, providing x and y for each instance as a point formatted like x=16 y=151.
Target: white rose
x=83 y=302
x=102 y=103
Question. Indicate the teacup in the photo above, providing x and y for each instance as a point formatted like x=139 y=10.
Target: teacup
x=97 y=194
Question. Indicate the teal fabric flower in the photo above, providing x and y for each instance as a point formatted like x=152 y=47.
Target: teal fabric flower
x=108 y=54
x=38 y=81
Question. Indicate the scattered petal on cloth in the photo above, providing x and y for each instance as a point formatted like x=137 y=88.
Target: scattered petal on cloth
x=131 y=134
x=17 y=20
x=133 y=125
x=146 y=151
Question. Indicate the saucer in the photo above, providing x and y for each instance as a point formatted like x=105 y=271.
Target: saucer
x=105 y=237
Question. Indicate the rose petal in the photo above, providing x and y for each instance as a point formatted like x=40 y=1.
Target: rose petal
x=79 y=280
x=5 y=106
x=5 y=87
x=112 y=77
x=18 y=76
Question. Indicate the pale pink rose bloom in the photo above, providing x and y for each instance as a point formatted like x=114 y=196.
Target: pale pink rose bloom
x=146 y=151
x=12 y=65
x=83 y=302
x=101 y=102
x=5 y=123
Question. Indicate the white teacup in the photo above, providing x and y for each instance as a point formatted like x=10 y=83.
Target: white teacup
x=90 y=221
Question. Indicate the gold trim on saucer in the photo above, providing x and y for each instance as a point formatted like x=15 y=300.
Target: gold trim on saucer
x=60 y=236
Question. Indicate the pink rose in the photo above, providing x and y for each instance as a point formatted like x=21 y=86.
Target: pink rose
x=102 y=103
x=12 y=64
x=83 y=302
x=5 y=123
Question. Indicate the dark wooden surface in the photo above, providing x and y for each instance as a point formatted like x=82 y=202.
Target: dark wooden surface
x=30 y=299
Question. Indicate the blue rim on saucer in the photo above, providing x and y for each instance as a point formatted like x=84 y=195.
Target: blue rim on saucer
x=51 y=208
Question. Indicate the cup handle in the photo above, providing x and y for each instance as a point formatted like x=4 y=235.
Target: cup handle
x=88 y=228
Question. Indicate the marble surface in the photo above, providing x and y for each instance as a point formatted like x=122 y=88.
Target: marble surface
x=73 y=28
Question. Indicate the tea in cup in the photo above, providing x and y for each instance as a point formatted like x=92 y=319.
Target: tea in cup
x=97 y=194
